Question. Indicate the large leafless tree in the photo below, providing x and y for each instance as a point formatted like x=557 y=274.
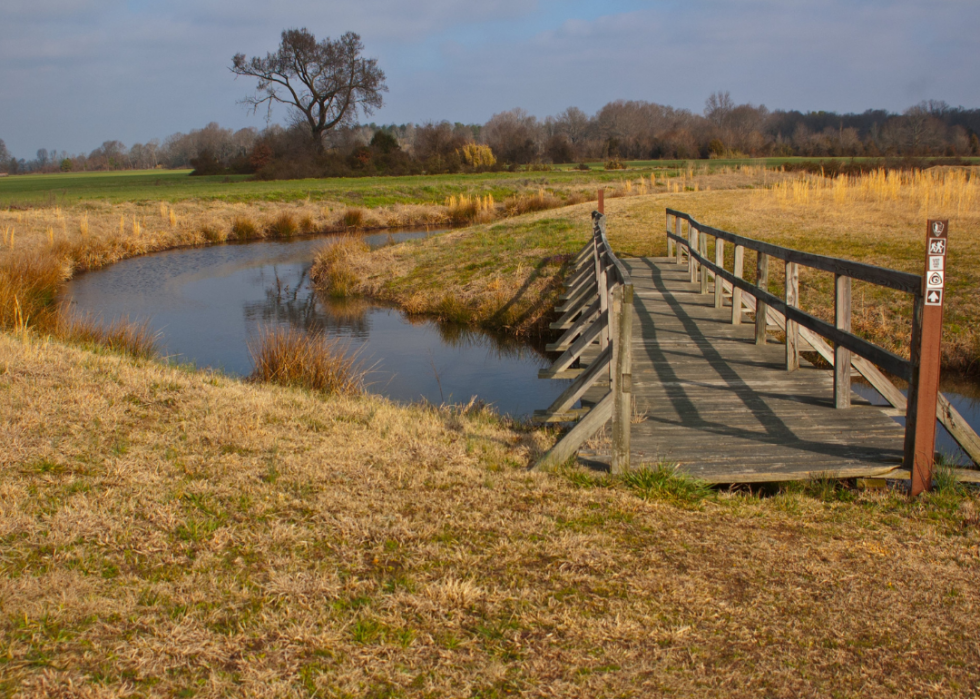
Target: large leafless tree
x=325 y=81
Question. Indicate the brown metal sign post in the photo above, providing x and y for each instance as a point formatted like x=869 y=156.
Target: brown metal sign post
x=602 y=202
x=924 y=387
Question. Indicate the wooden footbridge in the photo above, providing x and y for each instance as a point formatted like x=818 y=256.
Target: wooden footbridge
x=690 y=364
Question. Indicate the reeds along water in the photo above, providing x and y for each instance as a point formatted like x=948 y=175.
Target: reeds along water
x=294 y=357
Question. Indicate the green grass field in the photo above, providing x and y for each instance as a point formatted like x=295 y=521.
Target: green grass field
x=65 y=189
x=177 y=185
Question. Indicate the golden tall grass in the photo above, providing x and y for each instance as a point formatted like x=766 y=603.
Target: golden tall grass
x=946 y=191
x=302 y=358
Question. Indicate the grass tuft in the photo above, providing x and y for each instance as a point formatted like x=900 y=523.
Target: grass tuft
x=665 y=483
x=244 y=228
x=293 y=357
x=283 y=226
x=332 y=267
x=124 y=336
x=353 y=218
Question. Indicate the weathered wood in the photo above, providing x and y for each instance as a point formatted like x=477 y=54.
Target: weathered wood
x=677 y=228
x=692 y=246
x=622 y=378
x=736 y=291
x=761 y=281
x=893 y=279
x=603 y=306
x=670 y=243
x=563 y=343
x=888 y=361
x=946 y=413
x=588 y=336
x=792 y=326
x=568 y=317
x=542 y=417
x=599 y=367
x=585 y=294
x=842 y=355
x=568 y=446
x=719 y=262
x=703 y=253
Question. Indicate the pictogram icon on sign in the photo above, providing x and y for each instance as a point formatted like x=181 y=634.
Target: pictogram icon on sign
x=936 y=263
x=937 y=246
x=934 y=280
x=938 y=227
x=934 y=297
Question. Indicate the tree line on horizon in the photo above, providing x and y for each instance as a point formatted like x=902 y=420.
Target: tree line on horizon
x=621 y=130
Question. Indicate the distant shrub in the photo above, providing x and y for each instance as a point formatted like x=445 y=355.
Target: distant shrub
x=615 y=165
x=583 y=167
x=477 y=156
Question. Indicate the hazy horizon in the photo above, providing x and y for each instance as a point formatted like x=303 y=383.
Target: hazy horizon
x=80 y=72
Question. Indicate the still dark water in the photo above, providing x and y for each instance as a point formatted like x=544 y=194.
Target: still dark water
x=208 y=304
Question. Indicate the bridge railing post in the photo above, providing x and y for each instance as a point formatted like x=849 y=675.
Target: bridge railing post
x=792 y=327
x=761 y=307
x=736 y=292
x=842 y=355
x=703 y=251
x=692 y=245
x=720 y=263
x=670 y=241
x=621 y=319
x=677 y=232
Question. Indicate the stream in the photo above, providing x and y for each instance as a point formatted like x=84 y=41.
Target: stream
x=208 y=304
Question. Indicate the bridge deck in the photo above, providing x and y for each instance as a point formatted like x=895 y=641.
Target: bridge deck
x=726 y=410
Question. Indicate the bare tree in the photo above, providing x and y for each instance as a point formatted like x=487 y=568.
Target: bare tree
x=324 y=81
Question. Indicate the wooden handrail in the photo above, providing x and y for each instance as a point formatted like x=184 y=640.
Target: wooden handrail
x=893 y=279
x=599 y=312
x=755 y=297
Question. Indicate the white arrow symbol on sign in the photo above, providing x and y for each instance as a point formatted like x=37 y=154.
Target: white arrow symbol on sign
x=934 y=297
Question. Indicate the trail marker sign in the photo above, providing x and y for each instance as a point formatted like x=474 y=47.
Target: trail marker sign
x=920 y=444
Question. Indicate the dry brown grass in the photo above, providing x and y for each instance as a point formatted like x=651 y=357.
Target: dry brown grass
x=303 y=359
x=505 y=275
x=165 y=533
x=497 y=275
x=122 y=335
x=335 y=269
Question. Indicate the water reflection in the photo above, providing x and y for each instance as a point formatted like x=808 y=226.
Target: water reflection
x=209 y=303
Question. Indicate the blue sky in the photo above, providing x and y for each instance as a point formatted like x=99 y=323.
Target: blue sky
x=74 y=73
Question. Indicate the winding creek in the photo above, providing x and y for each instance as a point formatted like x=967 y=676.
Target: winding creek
x=208 y=304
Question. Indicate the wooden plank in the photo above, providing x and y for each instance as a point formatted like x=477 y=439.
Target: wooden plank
x=583 y=383
x=583 y=294
x=569 y=336
x=588 y=336
x=719 y=262
x=585 y=429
